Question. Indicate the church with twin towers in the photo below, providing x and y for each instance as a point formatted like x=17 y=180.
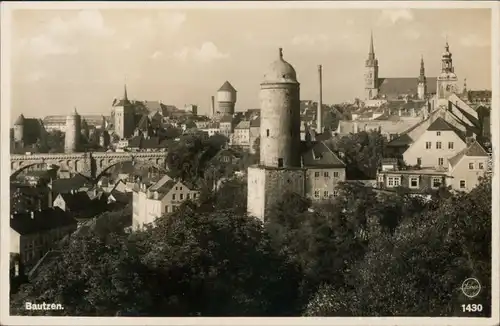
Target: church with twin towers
x=418 y=87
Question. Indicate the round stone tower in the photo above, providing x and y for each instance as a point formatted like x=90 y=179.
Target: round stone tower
x=73 y=131
x=19 y=129
x=226 y=99
x=280 y=116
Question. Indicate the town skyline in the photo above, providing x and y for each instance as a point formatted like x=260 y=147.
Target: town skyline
x=166 y=55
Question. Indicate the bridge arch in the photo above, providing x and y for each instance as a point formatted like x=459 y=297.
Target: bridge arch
x=16 y=171
x=154 y=163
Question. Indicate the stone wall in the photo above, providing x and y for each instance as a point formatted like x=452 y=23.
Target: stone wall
x=266 y=187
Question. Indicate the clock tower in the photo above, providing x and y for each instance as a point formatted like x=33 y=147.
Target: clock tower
x=447 y=81
x=371 y=74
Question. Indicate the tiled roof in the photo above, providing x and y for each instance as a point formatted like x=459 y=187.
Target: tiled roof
x=402 y=140
x=43 y=220
x=77 y=201
x=317 y=154
x=144 y=123
x=227 y=87
x=479 y=95
x=255 y=123
x=245 y=124
x=62 y=186
x=151 y=142
x=440 y=125
x=160 y=183
x=474 y=149
x=393 y=87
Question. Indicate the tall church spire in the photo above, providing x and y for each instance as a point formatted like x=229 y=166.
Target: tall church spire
x=372 y=50
x=125 y=96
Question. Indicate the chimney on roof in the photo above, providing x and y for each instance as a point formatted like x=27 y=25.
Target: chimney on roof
x=212 y=105
x=319 y=117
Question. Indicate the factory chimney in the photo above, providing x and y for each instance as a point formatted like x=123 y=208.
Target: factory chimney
x=212 y=106
x=319 y=117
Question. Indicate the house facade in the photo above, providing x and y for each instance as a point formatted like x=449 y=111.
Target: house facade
x=34 y=233
x=435 y=146
x=149 y=203
x=468 y=166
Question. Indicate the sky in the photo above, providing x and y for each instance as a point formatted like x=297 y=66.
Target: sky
x=62 y=59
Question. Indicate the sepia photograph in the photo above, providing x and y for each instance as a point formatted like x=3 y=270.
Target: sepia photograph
x=248 y=159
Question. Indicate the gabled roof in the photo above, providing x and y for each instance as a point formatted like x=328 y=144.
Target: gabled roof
x=393 y=87
x=245 y=124
x=77 y=202
x=44 y=220
x=317 y=154
x=440 y=125
x=61 y=186
x=227 y=87
x=474 y=149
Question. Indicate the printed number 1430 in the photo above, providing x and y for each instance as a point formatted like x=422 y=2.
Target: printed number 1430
x=472 y=307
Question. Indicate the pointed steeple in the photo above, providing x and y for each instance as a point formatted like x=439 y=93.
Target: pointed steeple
x=371 y=61
x=421 y=77
x=125 y=96
x=74 y=111
x=372 y=50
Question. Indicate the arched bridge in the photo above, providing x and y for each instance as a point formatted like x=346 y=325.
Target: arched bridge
x=91 y=165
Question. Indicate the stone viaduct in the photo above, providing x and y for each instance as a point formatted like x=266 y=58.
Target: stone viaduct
x=90 y=164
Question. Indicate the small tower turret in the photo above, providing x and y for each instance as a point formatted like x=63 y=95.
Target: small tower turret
x=422 y=81
x=73 y=129
x=19 y=129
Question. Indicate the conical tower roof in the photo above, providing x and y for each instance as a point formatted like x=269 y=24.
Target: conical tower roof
x=227 y=87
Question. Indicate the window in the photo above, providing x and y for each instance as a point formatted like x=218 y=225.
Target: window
x=438 y=133
x=471 y=166
x=335 y=193
x=316 y=174
x=280 y=162
x=450 y=145
x=436 y=182
x=414 y=182
x=440 y=161
x=335 y=174
x=462 y=184
x=393 y=182
x=188 y=196
x=326 y=174
x=428 y=145
x=419 y=161
x=181 y=196
x=438 y=145
x=481 y=166
x=267 y=132
x=326 y=194
x=316 y=194
x=173 y=196
x=195 y=195
x=225 y=159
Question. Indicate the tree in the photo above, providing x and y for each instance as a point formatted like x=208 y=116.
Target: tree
x=216 y=264
x=418 y=269
x=363 y=153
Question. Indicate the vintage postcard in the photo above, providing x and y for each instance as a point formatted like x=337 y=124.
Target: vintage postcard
x=294 y=160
